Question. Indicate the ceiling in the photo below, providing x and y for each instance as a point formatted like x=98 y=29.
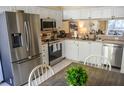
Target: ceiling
x=70 y=7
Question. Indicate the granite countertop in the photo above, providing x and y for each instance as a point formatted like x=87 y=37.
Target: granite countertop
x=114 y=42
x=99 y=41
x=83 y=40
x=52 y=41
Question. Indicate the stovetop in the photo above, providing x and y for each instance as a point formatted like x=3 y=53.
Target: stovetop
x=49 y=40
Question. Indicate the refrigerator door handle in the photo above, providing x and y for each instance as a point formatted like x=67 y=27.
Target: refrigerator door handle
x=27 y=36
x=29 y=32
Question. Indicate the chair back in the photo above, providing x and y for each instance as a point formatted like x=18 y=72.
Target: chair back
x=39 y=74
x=98 y=61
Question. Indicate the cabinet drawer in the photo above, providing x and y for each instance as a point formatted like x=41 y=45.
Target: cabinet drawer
x=44 y=46
x=44 y=54
x=43 y=50
x=45 y=60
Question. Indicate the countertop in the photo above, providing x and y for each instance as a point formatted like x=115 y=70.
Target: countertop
x=98 y=41
x=52 y=41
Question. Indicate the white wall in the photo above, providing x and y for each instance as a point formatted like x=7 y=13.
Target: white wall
x=44 y=12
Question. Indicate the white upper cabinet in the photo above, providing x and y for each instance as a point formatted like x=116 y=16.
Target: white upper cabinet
x=107 y=12
x=84 y=13
x=102 y=12
x=95 y=13
x=98 y=12
x=74 y=14
x=118 y=12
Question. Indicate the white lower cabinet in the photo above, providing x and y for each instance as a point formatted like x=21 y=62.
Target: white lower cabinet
x=84 y=50
x=63 y=48
x=71 y=49
x=96 y=48
x=79 y=50
x=44 y=54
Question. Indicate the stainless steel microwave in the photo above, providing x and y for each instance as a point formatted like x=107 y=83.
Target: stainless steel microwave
x=48 y=24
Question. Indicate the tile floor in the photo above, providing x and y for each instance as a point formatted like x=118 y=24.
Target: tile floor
x=60 y=66
x=4 y=84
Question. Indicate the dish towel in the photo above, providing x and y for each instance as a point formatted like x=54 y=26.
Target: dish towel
x=54 y=47
x=59 y=46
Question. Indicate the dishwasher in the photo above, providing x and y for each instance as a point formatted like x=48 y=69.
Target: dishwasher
x=114 y=53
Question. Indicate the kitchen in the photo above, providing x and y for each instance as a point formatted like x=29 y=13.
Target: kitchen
x=75 y=33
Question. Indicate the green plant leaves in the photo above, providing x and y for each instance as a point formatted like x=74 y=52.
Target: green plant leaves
x=76 y=76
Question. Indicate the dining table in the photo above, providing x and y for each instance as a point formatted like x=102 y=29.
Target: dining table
x=96 y=77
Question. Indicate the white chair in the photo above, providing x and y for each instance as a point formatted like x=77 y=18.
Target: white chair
x=39 y=74
x=98 y=62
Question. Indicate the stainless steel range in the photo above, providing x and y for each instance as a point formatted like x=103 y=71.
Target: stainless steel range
x=55 y=51
x=19 y=45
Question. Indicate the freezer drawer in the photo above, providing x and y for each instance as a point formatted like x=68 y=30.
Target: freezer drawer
x=23 y=69
x=114 y=53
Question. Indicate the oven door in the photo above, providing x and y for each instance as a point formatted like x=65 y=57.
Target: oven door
x=55 y=51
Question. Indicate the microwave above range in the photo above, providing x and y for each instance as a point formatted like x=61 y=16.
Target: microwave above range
x=48 y=24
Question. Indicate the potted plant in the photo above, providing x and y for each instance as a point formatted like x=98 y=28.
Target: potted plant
x=76 y=76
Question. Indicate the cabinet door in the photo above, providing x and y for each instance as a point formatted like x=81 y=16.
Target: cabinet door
x=68 y=49
x=74 y=14
x=63 y=48
x=107 y=12
x=119 y=12
x=71 y=49
x=122 y=64
x=96 y=13
x=96 y=48
x=84 y=50
x=84 y=13
x=75 y=47
x=1 y=74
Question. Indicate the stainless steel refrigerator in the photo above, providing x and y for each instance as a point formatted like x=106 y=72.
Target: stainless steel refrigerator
x=1 y=73
x=19 y=45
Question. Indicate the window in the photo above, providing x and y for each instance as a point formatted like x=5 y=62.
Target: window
x=115 y=27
